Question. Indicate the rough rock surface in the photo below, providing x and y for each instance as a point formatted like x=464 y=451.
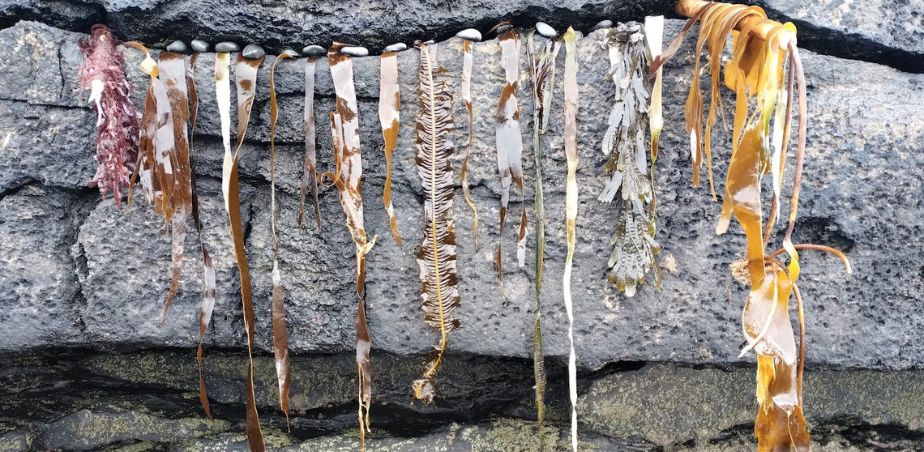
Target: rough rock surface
x=78 y=273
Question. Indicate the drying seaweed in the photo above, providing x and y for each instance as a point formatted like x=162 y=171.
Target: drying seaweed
x=626 y=146
x=765 y=90
x=571 y=205
x=347 y=178
x=466 y=87
x=439 y=291
x=542 y=76
x=509 y=145
x=389 y=117
x=280 y=336
x=117 y=120
x=246 y=77
x=310 y=173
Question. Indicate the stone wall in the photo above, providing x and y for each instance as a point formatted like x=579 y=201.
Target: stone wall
x=79 y=276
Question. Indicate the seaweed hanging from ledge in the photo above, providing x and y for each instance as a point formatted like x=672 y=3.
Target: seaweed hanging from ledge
x=466 y=90
x=626 y=146
x=389 y=117
x=439 y=291
x=117 y=119
x=542 y=76
x=509 y=145
x=310 y=170
x=347 y=177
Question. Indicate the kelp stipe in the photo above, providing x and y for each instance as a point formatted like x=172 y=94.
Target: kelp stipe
x=347 y=177
x=509 y=144
x=466 y=94
x=280 y=335
x=542 y=76
x=389 y=117
x=246 y=74
x=439 y=291
x=571 y=205
x=117 y=119
x=626 y=145
x=760 y=50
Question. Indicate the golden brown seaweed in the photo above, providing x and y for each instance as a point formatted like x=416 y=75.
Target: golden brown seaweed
x=389 y=117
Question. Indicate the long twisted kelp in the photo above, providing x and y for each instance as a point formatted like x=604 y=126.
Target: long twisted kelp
x=761 y=48
x=509 y=143
x=571 y=204
x=246 y=75
x=389 y=117
x=280 y=336
x=116 y=117
x=542 y=76
x=439 y=291
x=466 y=90
x=347 y=178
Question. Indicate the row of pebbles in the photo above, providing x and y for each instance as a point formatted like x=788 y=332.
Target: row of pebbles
x=254 y=51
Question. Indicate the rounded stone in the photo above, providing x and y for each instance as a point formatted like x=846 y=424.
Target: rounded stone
x=290 y=53
x=253 y=52
x=355 y=51
x=177 y=47
x=314 y=50
x=396 y=47
x=603 y=24
x=227 y=47
x=469 y=34
x=501 y=29
x=546 y=30
x=199 y=45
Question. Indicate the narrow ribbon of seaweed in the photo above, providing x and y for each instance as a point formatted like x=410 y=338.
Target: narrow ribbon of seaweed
x=348 y=180
x=466 y=85
x=439 y=291
x=389 y=117
x=246 y=74
x=280 y=336
x=542 y=68
x=571 y=205
x=509 y=145
x=310 y=175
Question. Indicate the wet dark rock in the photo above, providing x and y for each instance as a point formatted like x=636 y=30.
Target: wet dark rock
x=470 y=34
x=397 y=47
x=355 y=51
x=199 y=45
x=227 y=47
x=253 y=52
x=177 y=46
x=546 y=30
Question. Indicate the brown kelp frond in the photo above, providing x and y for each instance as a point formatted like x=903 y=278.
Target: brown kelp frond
x=280 y=336
x=348 y=180
x=654 y=32
x=117 y=120
x=571 y=206
x=542 y=76
x=760 y=50
x=626 y=146
x=178 y=206
x=310 y=174
x=509 y=144
x=439 y=291
x=389 y=117
x=466 y=87
x=209 y=289
x=246 y=77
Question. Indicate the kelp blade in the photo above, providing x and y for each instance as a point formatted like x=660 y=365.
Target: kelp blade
x=571 y=206
x=466 y=87
x=389 y=117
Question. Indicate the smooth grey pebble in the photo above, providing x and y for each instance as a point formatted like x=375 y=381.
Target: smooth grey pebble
x=314 y=50
x=397 y=47
x=355 y=51
x=177 y=47
x=253 y=52
x=470 y=34
x=226 y=47
x=199 y=45
x=603 y=24
x=546 y=30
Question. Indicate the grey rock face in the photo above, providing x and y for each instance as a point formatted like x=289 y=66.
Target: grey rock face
x=693 y=318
